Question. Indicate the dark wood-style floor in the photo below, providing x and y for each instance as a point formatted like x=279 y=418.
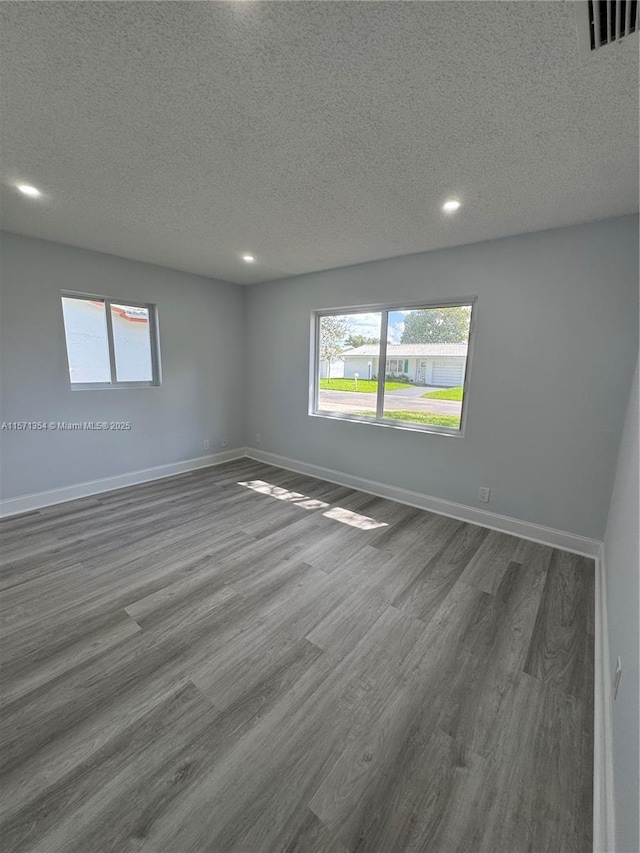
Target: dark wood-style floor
x=244 y=659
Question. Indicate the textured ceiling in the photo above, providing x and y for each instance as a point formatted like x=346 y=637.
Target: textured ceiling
x=312 y=135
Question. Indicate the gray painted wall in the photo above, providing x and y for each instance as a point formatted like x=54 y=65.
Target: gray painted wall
x=556 y=341
x=622 y=559
x=556 y=344
x=201 y=340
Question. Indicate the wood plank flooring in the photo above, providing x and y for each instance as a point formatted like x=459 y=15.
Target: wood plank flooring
x=245 y=660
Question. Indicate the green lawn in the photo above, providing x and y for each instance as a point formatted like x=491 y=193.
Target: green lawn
x=445 y=394
x=364 y=385
x=452 y=421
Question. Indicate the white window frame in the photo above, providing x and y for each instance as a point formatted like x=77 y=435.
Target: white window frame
x=108 y=301
x=384 y=309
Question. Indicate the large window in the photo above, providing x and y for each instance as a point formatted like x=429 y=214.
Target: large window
x=110 y=343
x=424 y=354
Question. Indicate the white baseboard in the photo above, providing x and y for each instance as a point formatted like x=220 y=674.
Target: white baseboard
x=503 y=523
x=28 y=503
x=603 y=792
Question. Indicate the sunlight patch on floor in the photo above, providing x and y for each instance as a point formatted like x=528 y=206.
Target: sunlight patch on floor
x=337 y=513
x=284 y=494
x=353 y=519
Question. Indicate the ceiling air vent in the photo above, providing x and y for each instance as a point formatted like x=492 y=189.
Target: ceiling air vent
x=602 y=22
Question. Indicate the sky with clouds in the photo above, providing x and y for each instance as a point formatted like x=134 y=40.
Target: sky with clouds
x=368 y=324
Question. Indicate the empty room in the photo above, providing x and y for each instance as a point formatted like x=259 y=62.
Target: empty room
x=319 y=427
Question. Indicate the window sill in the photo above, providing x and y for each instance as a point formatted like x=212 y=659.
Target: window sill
x=108 y=386
x=400 y=425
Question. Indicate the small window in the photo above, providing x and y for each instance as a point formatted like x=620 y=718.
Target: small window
x=110 y=343
x=424 y=355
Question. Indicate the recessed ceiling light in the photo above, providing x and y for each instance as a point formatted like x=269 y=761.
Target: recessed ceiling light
x=27 y=189
x=248 y=259
x=451 y=205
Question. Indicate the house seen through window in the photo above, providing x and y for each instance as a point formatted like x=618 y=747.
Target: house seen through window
x=423 y=352
x=110 y=344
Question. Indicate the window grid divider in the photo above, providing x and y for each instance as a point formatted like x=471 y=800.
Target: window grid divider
x=112 y=349
x=382 y=363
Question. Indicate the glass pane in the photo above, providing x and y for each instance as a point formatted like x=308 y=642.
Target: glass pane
x=85 y=329
x=132 y=343
x=347 y=366
x=426 y=364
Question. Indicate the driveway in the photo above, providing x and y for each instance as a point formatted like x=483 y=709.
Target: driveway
x=414 y=390
x=408 y=400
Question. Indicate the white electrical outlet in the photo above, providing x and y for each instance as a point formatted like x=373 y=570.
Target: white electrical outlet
x=484 y=494
x=223 y=442
x=258 y=438
x=206 y=444
x=616 y=678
